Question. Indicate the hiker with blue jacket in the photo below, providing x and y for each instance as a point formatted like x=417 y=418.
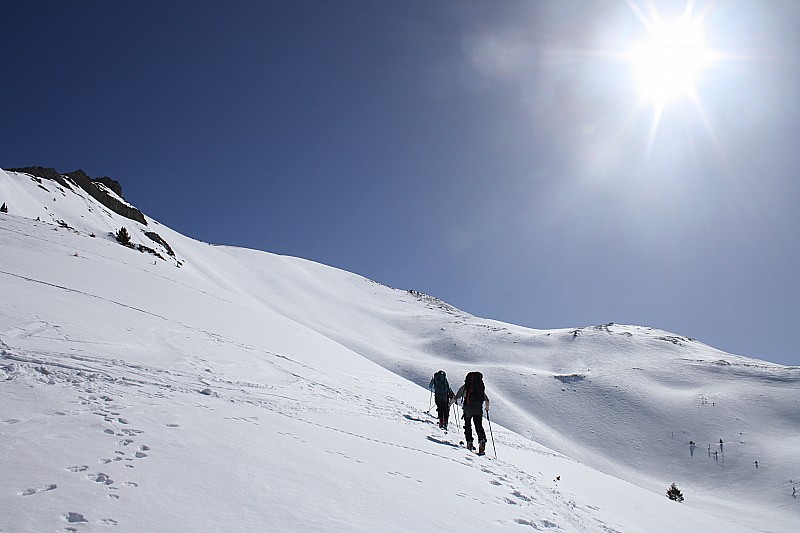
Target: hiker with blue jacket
x=474 y=394
x=442 y=392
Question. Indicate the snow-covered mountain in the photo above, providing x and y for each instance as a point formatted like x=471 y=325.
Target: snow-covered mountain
x=172 y=385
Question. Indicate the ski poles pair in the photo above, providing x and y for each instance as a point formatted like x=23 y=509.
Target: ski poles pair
x=455 y=408
x=489 y=420
x=458 y=425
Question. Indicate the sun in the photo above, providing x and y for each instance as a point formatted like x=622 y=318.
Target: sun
x=667 y=63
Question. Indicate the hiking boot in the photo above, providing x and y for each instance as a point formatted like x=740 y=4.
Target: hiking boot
x=470 y=446
x=481 y=447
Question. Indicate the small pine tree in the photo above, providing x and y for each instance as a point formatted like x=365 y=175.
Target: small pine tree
x=3 y=208
x=123 y=237
x=674 y=493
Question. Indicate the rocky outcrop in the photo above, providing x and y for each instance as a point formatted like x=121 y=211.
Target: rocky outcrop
x=114 y=185
x=45 y=173
x=80 y=178
x=155 y=237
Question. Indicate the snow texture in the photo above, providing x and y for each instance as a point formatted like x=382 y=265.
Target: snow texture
x=227 y=389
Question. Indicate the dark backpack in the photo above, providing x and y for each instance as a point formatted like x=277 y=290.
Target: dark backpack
x=474 y=389
x=440 y=385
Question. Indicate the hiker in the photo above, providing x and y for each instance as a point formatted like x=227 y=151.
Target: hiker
x=442 y=392
x=474 y=394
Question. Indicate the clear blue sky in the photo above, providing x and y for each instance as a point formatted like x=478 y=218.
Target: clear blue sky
x=498 y=155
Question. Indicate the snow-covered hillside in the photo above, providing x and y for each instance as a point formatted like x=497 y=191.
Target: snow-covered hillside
x=223 y=389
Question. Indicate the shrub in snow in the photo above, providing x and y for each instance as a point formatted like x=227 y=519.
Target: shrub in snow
x=673 y=493
x=123 y=237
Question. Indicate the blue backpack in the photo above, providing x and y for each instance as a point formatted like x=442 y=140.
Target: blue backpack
x=440 y=384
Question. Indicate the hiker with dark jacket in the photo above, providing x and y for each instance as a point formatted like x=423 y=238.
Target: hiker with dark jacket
x=442 y=392
x=474 y=394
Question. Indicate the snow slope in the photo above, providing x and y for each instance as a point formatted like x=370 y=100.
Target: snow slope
x=229 y=389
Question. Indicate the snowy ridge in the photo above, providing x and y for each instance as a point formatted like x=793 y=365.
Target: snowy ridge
x=236 y=390
x=73 y=208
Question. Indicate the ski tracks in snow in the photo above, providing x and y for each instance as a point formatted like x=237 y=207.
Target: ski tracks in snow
x=539 y=502
x=104 y=388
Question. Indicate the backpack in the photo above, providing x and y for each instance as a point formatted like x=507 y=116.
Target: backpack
x=440 y=385
x=474 y=389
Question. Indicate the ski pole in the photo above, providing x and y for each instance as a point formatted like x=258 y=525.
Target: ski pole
x=455 y=410
x=430 y=403
x=490 y=433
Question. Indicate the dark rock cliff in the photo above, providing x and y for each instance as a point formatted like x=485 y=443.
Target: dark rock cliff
x=80 y=178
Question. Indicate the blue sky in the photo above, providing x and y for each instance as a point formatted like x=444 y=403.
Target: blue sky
x=497 y=155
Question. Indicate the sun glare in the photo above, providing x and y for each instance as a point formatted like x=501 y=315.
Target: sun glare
x=670 y=65
x=667 y=63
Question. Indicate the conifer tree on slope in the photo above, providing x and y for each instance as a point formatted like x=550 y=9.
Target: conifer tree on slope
x=674 y=493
